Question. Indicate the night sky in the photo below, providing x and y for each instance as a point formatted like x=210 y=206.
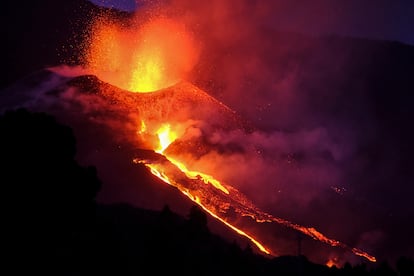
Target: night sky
x=375 y=19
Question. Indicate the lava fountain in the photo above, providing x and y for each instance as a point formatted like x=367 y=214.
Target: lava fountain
x=140 y=57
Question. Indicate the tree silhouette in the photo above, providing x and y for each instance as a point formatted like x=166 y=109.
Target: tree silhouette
x=405 y=266
x=198 y=217
x=40 y=171
x=47 y=195
x=197 y=223
x=385 y=269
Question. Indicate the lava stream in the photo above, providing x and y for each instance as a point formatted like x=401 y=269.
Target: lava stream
x=166 y=137
x=217 y=198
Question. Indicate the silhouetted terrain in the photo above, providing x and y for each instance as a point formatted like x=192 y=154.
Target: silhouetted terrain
x=53 y=225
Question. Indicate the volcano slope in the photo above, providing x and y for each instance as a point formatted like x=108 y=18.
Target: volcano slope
x=172 y=134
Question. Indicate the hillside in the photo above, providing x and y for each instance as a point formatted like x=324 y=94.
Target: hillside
x=54 y=226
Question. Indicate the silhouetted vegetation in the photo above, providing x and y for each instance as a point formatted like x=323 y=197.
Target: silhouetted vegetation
x=47 y=196
x=54 y=226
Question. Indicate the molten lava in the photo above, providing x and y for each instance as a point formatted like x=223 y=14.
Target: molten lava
x=333 y=262
x=217 y=200
x=166 y=137
x=140 y=58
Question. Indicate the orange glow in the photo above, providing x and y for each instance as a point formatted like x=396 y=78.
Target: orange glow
x=207 y=179
x=332 y=262
x=143 y=128
x=361 y=253
x=140 y=58
x=161 y=176
x=240 y=232
x=166 y=136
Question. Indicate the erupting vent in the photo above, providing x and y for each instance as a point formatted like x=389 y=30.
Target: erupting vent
x=140 y=58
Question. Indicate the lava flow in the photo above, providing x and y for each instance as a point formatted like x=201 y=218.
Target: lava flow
x=166 y=137
x=218 y=200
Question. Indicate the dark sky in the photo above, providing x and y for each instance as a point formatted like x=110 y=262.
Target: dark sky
x=376 y=19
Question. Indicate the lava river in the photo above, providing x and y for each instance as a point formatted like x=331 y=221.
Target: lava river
x=217 y=198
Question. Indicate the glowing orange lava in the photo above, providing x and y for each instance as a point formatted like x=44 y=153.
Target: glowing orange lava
x=216 y=201
x=166 y=136
x=140 y=58
x=332 y=262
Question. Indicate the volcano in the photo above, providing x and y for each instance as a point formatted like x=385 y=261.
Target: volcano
x=171 y=133
x=310 y=154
